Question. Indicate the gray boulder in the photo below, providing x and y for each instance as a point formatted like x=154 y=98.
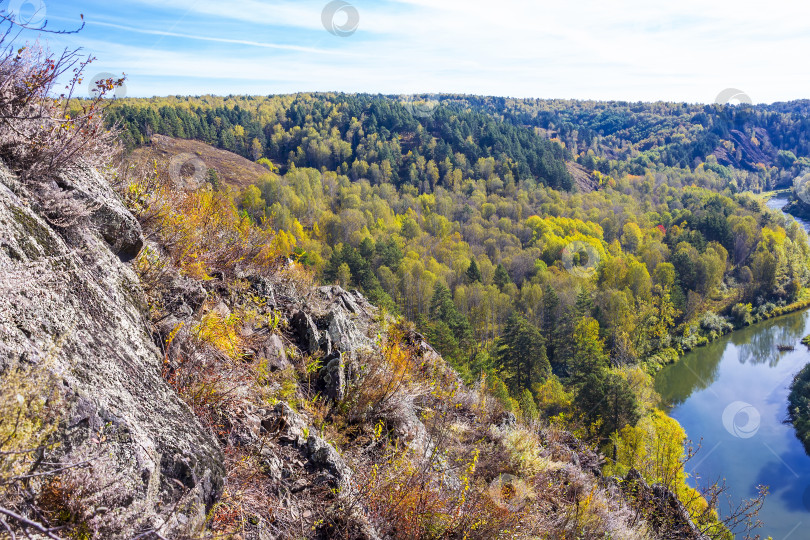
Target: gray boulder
x=183 y=296
x=286 y=424
x=344 y=334
x=273 y=351
x=307 y=332
x=324 y=455
x=264 y=288
x=333 y=377
x=81 y=188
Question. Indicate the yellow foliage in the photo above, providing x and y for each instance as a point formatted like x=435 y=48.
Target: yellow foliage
x=282 y=245
x=221 y=332
x=655 y=448
x=552 y=398
x=563 y=227
x=643 y=386
x=202 y=230
x=28 y=418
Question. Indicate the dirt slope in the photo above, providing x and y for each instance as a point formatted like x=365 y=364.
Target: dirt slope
x=232 y=169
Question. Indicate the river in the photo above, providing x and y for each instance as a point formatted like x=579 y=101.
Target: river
x=731 y=397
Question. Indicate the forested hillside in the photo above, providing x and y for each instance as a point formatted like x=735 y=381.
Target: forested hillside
x=361 y=136
x=461 y=216
x=749 y=147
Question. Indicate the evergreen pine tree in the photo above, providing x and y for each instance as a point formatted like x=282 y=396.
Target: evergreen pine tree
x=522 y=354
x=584 y=305
x=501 y=278
x=473 y=273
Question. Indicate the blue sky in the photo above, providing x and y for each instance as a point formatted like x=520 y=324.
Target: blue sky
x=684 y=50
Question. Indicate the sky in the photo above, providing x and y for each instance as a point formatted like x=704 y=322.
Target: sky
x=634 y=50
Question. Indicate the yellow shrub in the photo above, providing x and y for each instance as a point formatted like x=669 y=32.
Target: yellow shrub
x=655 y=448
x=221 y=332
x=202 y=230
x=524 y=448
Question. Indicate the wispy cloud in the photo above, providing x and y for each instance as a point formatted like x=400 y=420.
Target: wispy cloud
x=632 y=49
x=247 y=42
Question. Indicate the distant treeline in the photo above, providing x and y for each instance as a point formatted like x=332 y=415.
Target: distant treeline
x=357 y=135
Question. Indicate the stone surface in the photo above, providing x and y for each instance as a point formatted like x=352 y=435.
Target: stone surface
x=274 y=352
x=183 y=296
x=71 y=305
x=307 y=332
x=333 y=377
x=344 y=335
x=406 y=425
x=264 y=288
x=287 y=424
x=107 y=214
x=507 y=420
x=325 y=456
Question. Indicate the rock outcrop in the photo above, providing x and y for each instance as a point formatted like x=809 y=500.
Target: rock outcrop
x=747 y=154
x=661 y=507
x=324 y=465
x=72 y=305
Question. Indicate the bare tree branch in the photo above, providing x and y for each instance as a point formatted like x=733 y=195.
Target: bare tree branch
x=28 y=523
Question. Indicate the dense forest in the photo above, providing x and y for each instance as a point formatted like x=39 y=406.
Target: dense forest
x=632 y=137
x=463 y=215
x=749 y=147
x=798 y=404
x=359 y=136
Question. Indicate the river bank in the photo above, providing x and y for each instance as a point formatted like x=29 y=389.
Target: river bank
x=730 y=395
x=731 y=399
x=713 y=326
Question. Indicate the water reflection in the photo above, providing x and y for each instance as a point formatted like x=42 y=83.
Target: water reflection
x=755 y=345
x=758 y=345
x=696 y=371
x=789 y=495
x=747 y=367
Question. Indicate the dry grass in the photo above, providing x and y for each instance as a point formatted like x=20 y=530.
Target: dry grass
x=232 y=169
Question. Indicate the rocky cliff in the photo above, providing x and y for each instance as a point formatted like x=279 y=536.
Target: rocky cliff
x=72 y=306
x=747 y=154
